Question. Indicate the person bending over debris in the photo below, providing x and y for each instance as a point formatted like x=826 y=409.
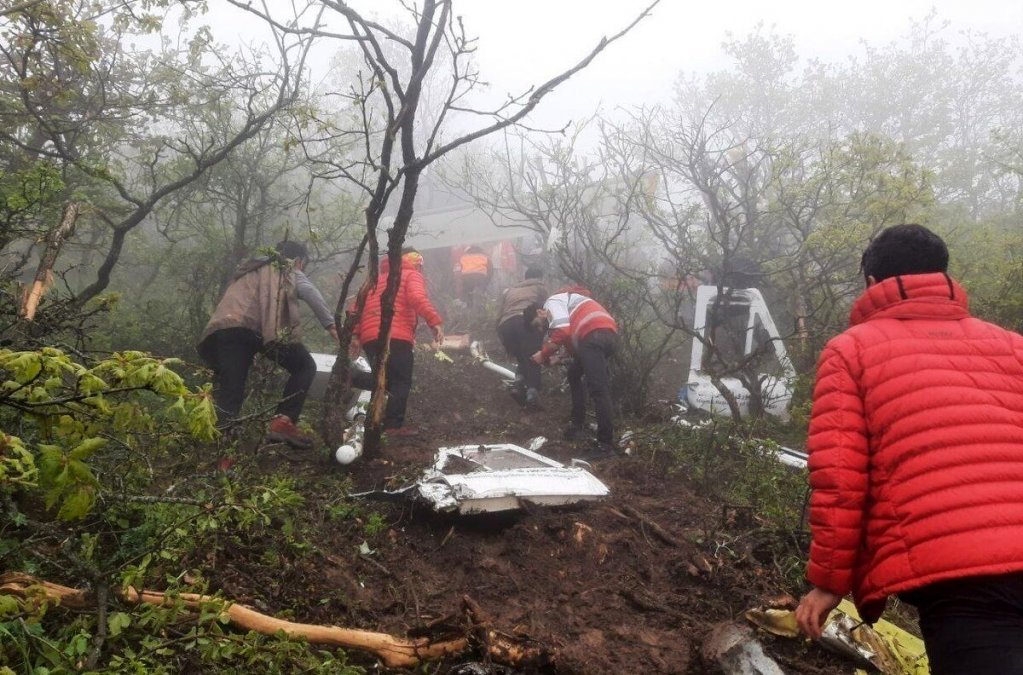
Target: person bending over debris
x=579 y=324
x=411 y=303
x=259 y=314
x=519 y=337
x=916 y=462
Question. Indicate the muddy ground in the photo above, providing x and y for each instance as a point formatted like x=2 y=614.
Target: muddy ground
x=630 y=585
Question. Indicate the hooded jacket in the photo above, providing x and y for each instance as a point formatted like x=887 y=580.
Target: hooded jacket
x=916 y=445
x=411 y=303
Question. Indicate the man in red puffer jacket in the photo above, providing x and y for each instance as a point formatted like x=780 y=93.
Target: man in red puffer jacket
x=411 y=303
x=916 y=462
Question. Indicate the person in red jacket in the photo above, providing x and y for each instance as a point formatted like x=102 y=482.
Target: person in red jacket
x=579 y=324
x=411 y=303
x=916 y=462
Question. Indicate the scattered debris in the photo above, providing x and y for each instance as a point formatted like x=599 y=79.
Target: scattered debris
x=500 y=477
x=734 y=649
x=478 y=353
x=884 y=646
x=743 y=313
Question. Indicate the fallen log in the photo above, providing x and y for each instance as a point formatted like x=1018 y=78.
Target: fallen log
x=394 y=652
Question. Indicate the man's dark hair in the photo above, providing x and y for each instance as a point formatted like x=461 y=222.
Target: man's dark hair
x=529 y=313
x=904 y=249
x=292 y=250
x=534 y=273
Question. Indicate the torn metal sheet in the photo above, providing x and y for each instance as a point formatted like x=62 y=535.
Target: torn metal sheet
x=500 y=477
x=735 y=650
x=324 y=364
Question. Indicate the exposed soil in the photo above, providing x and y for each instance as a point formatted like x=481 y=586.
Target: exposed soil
x=630 y=585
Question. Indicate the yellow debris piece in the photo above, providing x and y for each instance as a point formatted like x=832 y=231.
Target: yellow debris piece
x=885 y=646
x=441 y=356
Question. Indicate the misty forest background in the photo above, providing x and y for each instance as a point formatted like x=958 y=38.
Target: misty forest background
x=142 y=158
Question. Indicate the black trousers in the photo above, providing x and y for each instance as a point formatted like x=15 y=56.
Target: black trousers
x=399 y=379
x=591 y=362
x=230 y=353
x=521 y=341
x=972 y=625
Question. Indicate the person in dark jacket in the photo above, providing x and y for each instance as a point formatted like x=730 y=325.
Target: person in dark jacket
x=411 y=303
x=258 y=314
x=519 y=337
x=916 y=462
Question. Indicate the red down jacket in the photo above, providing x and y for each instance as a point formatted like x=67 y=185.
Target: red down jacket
x=411 y=303
x=916 y=445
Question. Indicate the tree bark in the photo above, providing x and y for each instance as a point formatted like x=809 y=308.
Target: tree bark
x=44 y=273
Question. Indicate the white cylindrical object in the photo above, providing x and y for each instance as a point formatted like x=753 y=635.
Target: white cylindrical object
x=500 y=370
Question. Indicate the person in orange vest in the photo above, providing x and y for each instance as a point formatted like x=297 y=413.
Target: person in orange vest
x=474 y=271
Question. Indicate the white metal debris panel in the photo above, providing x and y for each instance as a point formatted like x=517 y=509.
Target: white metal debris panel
x=500 y=477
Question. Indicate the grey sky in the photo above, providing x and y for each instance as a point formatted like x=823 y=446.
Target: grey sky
x=523 y=41
x=527 y=41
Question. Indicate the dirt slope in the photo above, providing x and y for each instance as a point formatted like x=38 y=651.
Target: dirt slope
x=626 y=586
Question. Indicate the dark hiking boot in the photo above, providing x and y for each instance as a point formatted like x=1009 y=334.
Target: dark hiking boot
x=532 y=398
x=572 y=432
x=600 y=451
x=283 y=430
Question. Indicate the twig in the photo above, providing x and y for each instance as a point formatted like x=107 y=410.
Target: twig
x=659 y=531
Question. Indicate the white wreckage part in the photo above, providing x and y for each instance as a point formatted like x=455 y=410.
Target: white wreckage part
x=700 y=391
x=478 y=353
x=351 y=448
x=471 y=479
x=324 y=364
x=355 y=434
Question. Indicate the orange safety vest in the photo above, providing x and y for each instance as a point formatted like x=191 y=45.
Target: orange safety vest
x=474 y=263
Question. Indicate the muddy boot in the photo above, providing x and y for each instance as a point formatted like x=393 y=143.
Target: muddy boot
x=532 y=398
x=283 y=430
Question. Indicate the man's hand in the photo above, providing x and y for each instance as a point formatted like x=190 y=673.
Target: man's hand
x=438 y=335
x=333 y=333
x=537 y=358
x=813 y=610
x=354 y=347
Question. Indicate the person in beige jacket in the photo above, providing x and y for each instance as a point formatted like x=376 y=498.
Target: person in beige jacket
x=258 y=314
x=521 y=339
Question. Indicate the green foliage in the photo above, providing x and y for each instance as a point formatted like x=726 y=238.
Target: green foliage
x=736 y=464
x=68 y=412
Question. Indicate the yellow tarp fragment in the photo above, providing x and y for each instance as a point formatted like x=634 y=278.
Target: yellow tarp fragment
x=441 y=356
x=907 y=649
x=890 y=649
